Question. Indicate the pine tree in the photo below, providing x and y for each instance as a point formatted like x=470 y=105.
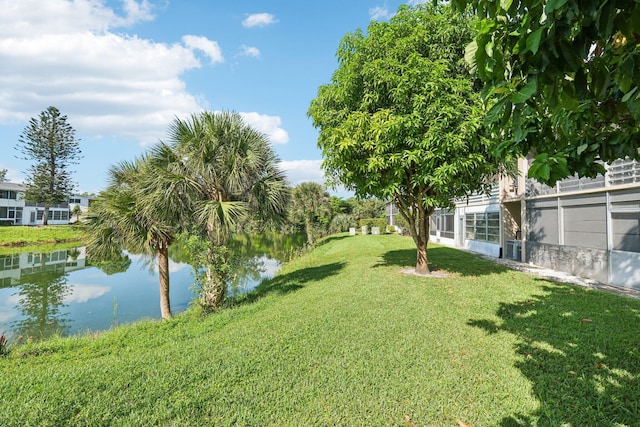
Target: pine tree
x=50 y=142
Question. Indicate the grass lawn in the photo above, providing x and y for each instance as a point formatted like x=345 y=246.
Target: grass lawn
x=22 y=236
x=340 y=337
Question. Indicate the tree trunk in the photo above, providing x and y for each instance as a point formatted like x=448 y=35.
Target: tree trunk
x=163 y=269
x=45 y=216
x=421 y=239
x=418 y=219
x=309 y=230
x=212 y=295
x=422 y=264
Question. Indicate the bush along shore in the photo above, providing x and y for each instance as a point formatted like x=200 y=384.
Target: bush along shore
x=341 y=337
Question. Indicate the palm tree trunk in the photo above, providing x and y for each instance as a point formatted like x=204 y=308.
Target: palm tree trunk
x=309 y=230
x=212 y=295
x=45 y=216
x=163 y=269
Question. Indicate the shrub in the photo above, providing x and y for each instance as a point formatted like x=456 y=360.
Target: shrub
x=340 y=223
x=381 y=223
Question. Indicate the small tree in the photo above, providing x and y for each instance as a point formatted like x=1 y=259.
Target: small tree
x=50 y=142
x=76 y=211
x=401 y=119
x=309 y=202
x=3 y=175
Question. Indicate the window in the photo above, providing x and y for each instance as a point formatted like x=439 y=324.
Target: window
x=9 y=262
x=8 y=194
x=442 y=221
x=75 y=200
x=483 y=226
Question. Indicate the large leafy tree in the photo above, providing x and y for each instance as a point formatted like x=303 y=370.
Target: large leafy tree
x=309 y=203
x=561 y=80
x=401 y=120
x=49 y=141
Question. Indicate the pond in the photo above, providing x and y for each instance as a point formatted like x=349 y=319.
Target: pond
x=63 y=292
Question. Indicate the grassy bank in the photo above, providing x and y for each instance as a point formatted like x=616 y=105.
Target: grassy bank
x=340 y=337
x=23 y=236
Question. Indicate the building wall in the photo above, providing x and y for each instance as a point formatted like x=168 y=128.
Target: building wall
x=589 y=228
x=579 y=261
x=29 y=211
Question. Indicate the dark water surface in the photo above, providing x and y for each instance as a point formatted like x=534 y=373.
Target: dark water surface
x=42 y=294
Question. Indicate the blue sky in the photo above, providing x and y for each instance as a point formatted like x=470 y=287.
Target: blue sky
x=122 y=70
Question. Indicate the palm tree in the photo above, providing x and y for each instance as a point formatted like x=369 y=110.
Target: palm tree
x=309 y=202
x=76 y=211
x=126 y=216
x=216 y=170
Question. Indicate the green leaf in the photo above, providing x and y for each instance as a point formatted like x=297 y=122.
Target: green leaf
x=505 y=4
x=525 y=93
x=582 y=148
x=553 y=5
x=488 y=48
x=495 y=112
x=629 y=94
x=533 y=40
x=568 y=98
x=470 y=54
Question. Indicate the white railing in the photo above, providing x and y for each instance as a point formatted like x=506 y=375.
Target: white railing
x=623 y=172
x=620 y=172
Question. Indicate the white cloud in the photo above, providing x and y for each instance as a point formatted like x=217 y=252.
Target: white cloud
x=74 y=55
x=210 y=48
x=379 y=12
x=9 y=299
x=64 y=53
x=269 y=125
x=250 y=51
x=81 y=293
x=299 y=171
x=259 y=20
x=6 y=314
x=13 y=175
x=136 y=12
x=416 y=2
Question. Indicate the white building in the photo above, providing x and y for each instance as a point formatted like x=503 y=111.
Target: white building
x=15 y=266
x=586 y=227
x=15 y=210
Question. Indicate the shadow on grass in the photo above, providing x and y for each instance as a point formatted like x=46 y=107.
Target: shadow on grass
x=580 y=350
x=290 y=282
x=331 y=239
x=442 y=258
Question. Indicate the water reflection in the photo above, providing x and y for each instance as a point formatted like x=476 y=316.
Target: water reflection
x=62 y=292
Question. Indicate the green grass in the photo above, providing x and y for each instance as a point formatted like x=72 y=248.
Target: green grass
x=23 y=236
x=340 y=337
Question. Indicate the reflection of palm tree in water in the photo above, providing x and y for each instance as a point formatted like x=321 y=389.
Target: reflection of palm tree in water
x=42 y=295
